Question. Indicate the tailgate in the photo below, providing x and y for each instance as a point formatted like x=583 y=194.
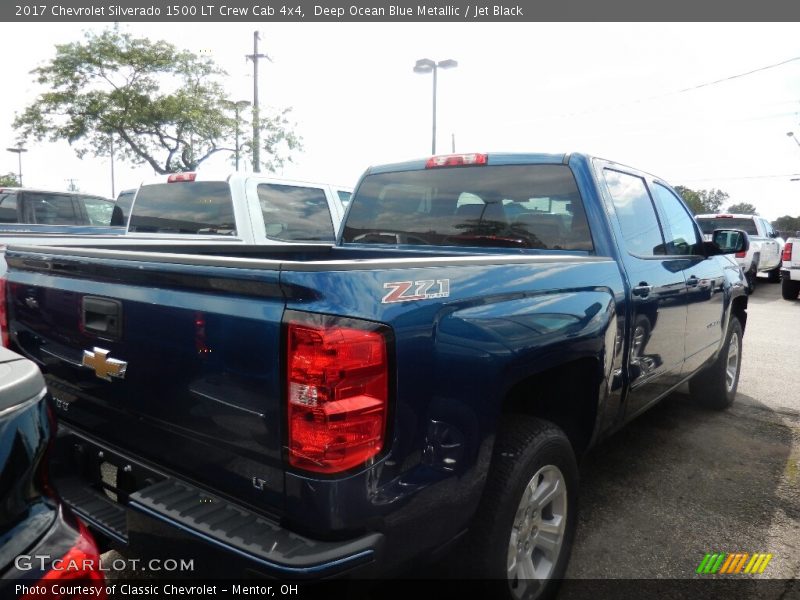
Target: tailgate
x=178 y=368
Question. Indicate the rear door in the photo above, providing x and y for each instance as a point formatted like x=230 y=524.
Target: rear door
x=657 y=295
x=704 y=277
x=176 y=366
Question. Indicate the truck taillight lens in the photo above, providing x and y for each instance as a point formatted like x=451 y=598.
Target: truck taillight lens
x=456 y=160
x=76 y=575
x=787 y=251
x=3 y=314
x=338 y=393
x=741 y=254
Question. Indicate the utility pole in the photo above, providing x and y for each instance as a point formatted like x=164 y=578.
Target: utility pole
x=256 y=123
x=72 y=186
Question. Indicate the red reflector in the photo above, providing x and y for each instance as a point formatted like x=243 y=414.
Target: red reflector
x=456 y=160
x=787 y=251
x=3 y=314
x=178 y=177
x=338 y=388
x=80 y=566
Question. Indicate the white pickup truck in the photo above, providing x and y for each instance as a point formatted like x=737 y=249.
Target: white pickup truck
x=238 y=209
x=252 y=208
x=764 y=255
x=790 y=269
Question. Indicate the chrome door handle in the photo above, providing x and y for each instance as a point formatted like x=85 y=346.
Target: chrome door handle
x=642 y=290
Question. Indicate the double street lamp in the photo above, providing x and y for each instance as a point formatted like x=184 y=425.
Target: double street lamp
x=19 y=150
x=426 y=65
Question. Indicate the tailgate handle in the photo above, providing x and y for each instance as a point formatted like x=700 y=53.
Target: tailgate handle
x=102 y=316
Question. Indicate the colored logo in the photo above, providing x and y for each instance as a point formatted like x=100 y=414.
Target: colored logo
x=721 y=563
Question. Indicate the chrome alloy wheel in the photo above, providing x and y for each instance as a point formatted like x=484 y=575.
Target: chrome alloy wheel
x=732 y=365
x=537 y=533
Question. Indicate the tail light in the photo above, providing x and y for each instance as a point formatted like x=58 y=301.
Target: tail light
x=3 y=314
x=741 y=254
x=180 y=177
x=787 y=251
x=456 y=160
x=81 y=564
x=338 y=392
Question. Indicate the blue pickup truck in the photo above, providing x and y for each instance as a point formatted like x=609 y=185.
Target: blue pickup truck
x=427 y=381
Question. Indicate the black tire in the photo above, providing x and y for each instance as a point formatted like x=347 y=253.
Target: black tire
x=526 y=447
x=790 y=289
x=751 y=277
x=774 y=276
x=712 y=387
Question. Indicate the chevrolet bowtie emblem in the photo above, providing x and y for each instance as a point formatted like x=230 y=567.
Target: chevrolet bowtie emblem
x=104 y=367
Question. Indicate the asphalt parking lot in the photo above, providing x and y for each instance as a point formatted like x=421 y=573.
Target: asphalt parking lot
x=682 y=481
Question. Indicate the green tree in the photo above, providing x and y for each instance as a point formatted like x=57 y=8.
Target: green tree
x=787 y=225
x=9 y=180
x=702 y=201
x=166 y=106
x=743 y=208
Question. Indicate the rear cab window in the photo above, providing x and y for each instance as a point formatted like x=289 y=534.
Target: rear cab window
x=295 y=213
x=498 y=206
x=197 y=207
x=709 y=224
x=97 y=209
x=48 y=208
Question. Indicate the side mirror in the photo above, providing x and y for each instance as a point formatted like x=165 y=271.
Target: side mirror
x=729 y=241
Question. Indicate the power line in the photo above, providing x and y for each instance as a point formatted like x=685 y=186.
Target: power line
x=666 y=94
x=745 y=177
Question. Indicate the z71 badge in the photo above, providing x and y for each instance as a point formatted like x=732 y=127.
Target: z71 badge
x=425 y=289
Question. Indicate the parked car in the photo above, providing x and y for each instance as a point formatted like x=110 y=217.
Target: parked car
x=43 y=207
x=254 y=208
x=40 y=541
x=790 y=269
x=430 y=379
x=766 y=245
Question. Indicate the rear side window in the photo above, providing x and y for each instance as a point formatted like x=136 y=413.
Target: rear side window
x=51 y=209
x=635 y=213
x=122 y=208
x=98 y=209
x=293 y=213
x=184 y=207
x=8 y=207
x=504 y=206
x=344 y=197
x=683 y=238
x=709 y=224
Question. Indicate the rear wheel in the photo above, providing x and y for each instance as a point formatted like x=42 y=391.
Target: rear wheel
x=790 y=289
x=523 y=532
x=715 y=387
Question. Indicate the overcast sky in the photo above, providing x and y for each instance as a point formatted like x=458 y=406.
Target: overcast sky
x=613 y=90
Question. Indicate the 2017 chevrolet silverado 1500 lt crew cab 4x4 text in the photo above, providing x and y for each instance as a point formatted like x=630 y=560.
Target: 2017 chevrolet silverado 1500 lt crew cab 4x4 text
x=312 y=411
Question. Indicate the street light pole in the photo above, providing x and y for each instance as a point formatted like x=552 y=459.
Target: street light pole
x=19 y=150
x=426 y=65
